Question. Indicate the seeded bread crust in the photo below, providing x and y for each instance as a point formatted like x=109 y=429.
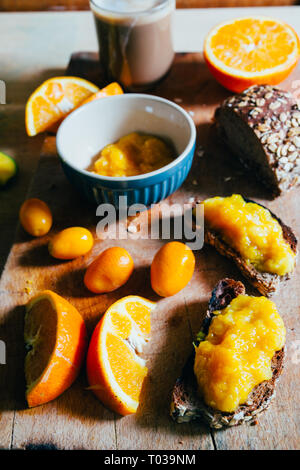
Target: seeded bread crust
x=266 y=283
x=261 y=126
x=187 y=405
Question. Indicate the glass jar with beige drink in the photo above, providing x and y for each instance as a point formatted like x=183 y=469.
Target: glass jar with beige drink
x=135 y=40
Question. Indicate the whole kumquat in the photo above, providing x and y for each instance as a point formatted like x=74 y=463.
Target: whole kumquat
x=109 y=271
x=35 y=217
x=172 y=268
x=71 y=243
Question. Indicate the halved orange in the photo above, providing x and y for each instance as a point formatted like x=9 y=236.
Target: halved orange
x=53 y=100
x=55 y=338
x=115 y=369
x=252 y=50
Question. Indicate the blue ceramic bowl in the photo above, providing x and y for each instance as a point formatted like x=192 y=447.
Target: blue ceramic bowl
x=98 y=123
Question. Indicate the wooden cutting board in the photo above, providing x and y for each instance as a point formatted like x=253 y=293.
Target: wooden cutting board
x=76 y=420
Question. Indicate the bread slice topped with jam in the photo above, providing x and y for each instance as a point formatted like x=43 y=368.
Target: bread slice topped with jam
x=238 y=356
x=260 y=244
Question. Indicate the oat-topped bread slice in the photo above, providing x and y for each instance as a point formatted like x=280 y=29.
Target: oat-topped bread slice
x=260 y=244
x=188 y=400
x=261 y=126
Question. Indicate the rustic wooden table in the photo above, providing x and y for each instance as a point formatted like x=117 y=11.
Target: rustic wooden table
x=35 y=47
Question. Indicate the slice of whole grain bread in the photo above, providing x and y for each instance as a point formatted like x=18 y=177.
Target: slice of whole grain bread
x=261 y=127
x=186 y=403
x=266 y=283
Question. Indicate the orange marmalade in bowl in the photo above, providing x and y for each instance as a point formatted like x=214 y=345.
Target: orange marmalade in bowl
x=251 y=230
x=133 y=154
x=236 y=354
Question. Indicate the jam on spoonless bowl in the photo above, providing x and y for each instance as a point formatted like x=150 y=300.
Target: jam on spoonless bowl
x=133 y=154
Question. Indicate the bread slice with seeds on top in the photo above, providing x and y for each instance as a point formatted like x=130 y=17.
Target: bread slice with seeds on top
x=261 y=127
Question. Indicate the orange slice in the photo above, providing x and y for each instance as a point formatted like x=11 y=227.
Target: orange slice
x=115 y=369
x=110 y=90
x=254 y=50
x=53 y=100
x=55 y=338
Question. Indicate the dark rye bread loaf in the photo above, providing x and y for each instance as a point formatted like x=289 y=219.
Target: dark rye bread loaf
x=261 y=126
x=186 y=403
x=266 y=283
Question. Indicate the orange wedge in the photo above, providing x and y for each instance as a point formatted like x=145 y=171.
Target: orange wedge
x=253 y=50
x=110 y=90
x=55 y=338
x=115 y=369
x=53 y=100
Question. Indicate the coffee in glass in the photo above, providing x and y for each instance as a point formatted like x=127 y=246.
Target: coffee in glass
x=135 y=40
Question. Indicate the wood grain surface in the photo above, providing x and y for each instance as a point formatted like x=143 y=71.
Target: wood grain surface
x=76 y=419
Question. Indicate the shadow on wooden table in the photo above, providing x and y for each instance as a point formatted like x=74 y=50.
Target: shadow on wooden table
x=78 y=401
x=199 y=88
x=37 y=254
x=165 y=367
x=12 y=377
x=223 y=174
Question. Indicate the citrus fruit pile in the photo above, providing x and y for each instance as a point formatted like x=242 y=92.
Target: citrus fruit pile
x=171 y=270
x=55 y=335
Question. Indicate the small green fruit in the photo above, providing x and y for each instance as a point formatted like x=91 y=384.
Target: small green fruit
x=8 y=168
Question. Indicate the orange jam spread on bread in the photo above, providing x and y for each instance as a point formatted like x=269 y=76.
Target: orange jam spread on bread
x=236 y=354
x=251 y=230
x=134 y=154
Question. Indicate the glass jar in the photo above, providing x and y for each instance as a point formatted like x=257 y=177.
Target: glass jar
x=135 y=40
